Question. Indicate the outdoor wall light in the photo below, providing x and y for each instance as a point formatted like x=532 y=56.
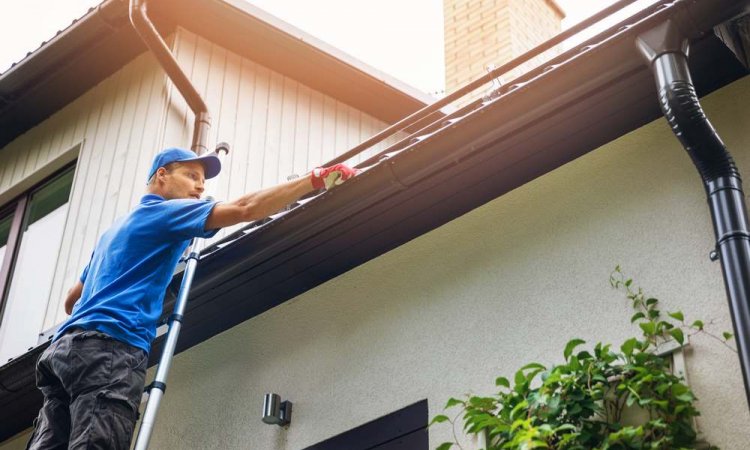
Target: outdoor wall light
x=276 y=412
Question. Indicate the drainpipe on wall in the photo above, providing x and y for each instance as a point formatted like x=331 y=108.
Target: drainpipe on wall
x=665 y=48
x=150 y=36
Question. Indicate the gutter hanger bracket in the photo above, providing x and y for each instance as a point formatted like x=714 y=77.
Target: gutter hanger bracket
x=393 y=178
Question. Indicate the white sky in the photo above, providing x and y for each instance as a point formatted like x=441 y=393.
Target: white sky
x=401 y=38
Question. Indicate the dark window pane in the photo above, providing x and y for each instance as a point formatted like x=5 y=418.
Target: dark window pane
x=5 y=222
x=34 y=266
x=50 y=197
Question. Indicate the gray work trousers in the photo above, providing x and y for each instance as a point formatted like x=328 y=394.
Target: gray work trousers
x=92 y=386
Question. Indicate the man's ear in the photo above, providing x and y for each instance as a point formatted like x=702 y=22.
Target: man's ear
x=160 y=173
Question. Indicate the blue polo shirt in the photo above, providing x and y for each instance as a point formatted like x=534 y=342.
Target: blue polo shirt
x=126 y=279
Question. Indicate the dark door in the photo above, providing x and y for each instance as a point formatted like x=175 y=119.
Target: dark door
x=405 y=429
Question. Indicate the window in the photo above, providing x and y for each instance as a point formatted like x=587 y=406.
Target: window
x=30 y=236
x=5 y=224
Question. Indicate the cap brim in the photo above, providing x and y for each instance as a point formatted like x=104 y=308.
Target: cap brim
x=210 y=162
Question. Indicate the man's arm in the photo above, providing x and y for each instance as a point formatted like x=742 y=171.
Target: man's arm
x=74 y=294
x=261 y=204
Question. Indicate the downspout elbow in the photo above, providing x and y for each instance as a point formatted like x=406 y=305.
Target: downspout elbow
x=665 y=51
x=138 y=12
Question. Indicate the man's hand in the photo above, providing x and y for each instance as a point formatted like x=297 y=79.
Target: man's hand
x=328 y=177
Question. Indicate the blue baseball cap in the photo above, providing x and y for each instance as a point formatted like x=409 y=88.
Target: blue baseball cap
x=210 y=162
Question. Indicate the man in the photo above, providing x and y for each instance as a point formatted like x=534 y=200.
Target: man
x=93 y=373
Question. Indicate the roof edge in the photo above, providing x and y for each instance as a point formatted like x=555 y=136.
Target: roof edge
x=328 y=49
x=107 y=12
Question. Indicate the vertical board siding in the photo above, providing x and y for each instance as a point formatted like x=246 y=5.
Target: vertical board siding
x=113 y=122
x=176 y=128
x=276 y=127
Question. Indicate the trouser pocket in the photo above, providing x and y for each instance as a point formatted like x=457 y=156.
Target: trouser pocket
x=112 y=423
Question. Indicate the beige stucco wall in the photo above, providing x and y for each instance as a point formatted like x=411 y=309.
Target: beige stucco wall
x=17 y=442
x=508 y=283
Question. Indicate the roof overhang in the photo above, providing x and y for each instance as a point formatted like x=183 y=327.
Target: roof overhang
x=551 y=118
x=101 y=42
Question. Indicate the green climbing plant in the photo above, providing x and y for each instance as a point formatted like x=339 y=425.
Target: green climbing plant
x=600 y=398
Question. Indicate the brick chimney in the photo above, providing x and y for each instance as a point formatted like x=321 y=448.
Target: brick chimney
x=483 y=32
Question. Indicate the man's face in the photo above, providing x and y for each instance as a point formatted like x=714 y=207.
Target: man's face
x=184 y=180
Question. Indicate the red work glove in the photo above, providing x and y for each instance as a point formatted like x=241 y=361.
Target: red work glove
x=328 y=177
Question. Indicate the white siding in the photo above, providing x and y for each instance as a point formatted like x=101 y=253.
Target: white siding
x=275 y=125
x=113 y=123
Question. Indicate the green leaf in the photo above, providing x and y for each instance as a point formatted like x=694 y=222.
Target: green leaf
x=520 y=378
x=677 y=335
x=480 y=402
x=697 y=324
x=453 y=402
x=679 y=388
x=677 y=315
x=533 y=366
x=727 y=335
x=439 y=419
x=628 y=346
x=502 y=381
x=517 y=410
x=637 y=316
x=570 y=346
x=649 y=328
x=632 y=396
x=651 y=301
x=445 y=446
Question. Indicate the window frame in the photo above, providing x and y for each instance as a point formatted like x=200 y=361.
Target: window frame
x=19 y=207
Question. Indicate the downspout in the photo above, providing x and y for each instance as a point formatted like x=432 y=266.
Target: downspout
x=665 y=48
x=150 y=36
